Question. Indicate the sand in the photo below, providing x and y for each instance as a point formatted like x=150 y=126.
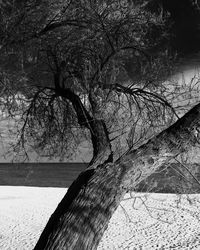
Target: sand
x=142 y=221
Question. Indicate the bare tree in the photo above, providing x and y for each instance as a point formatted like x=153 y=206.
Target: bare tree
x=74 y=76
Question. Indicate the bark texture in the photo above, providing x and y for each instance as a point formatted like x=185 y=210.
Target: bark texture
x=102 y=150
x=84 y=213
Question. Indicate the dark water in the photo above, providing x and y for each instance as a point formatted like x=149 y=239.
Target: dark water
x=40 y=174
x=164 y=180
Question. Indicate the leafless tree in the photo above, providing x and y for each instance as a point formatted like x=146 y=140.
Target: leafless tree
x=95 y=70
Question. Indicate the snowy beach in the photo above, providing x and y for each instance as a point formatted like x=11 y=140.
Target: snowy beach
x=142 y=221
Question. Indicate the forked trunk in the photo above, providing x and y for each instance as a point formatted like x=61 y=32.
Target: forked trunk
x=84 y=213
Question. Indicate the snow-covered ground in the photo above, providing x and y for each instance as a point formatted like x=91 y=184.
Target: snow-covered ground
x=143 y=221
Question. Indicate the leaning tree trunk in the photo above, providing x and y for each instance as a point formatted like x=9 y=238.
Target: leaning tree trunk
x=84 y=213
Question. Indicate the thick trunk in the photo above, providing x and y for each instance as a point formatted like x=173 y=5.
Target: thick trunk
x=83 y=215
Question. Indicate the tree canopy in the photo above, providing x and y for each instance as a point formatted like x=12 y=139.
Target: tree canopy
x=86 y=62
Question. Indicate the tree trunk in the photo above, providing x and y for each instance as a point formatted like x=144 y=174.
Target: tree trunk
x=102 y=149
x=84 y=213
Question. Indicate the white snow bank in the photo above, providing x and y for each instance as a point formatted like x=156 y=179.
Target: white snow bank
x=149 y=222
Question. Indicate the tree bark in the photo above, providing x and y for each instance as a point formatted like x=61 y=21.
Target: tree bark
x=84 y=213
x=102 y=149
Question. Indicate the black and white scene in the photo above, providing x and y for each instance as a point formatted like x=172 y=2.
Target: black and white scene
x=99 y=125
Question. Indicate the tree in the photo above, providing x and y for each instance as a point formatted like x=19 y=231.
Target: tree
x=74 y=76
x=102 y=188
